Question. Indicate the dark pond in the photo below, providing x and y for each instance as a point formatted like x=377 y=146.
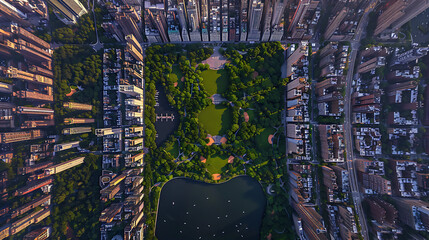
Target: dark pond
x=164 y=124
x=191 y=209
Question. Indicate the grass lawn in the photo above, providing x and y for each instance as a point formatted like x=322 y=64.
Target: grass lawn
x=176 y=74
x=173 y=150
x=215 y=81
x=215 y=164
x=216 y=119
x=262 y=139
x=252 y=115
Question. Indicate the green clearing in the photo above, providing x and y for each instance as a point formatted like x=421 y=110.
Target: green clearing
x=216 y=119
x=214 y=164
x=173 y=149
x=262 y=139
x=252 y=115
x=176 y=74
x=215 y=81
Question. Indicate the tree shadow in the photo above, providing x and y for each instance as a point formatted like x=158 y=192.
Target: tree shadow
x=226 y=119
x=222 y=82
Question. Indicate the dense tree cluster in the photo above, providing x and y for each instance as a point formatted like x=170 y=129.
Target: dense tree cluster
x=80 y=68
x=76 y=201
x=197 y=53
x=254 y=80
x=254 y=83
x=189 y=99
x=83 y=32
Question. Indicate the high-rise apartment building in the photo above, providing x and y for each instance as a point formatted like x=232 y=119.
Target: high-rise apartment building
x=77 y=106
x=181 y=9
x=65 y=146
x=76 y=130
x=234 y=20
x=298 y=22
x=266 y=20
x=11 y=137
x=6 y=115
x=215 y=20
x=107 y=131
x=39 y=234
x=26 y=76
x=134 y=48
x=398 y=12
x=392 y=11
x=128 y=20
x=34 y=111
x=377 y=184
x=64 y=166
x=11 y=13
x=173 y=25
x=413 y=212
x=278 y=20
x=193 y=19
x=334 y=23
x=224 y=20
x=70 y=121
x=414 y=8
x=68 y=10
x=35 y=96
x=155 y=21
x=130 y=90
x=255 y=16
x=332 y=143
x=312 y=221
x=244 y=8
x=204 y=20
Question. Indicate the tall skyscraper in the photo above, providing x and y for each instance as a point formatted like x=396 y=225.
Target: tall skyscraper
x=278 y=11
x=277 y=22
x=255 y=16
x=11 y=13
x=127 y=18
x=182 y=20
x=234 y=20
x=334 y=23
x=266 y=20
x=215 y=20
x=155 y=21
x=70 y=10
x=204 y=19
x=225 y=22
x=244 y=20
x=173 y=25
x=298 y=25
x=193 y=19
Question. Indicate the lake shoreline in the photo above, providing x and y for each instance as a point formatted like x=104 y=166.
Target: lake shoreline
x=239 y=183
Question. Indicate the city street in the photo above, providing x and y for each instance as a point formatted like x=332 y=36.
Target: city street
x=357 y=198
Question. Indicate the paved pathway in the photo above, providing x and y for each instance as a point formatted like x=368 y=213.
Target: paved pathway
x=216 y=61
x=217 y=99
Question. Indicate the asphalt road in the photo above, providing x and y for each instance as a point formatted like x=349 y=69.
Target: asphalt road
x=356 y=195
